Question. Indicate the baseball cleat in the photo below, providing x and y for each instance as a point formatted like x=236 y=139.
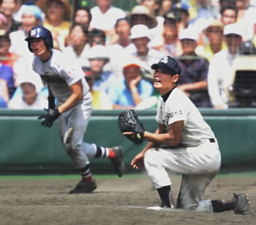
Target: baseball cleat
x=118 y=162
x=242 y=205
x=84 y=187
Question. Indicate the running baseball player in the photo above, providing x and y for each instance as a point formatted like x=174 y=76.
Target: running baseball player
x=183 y=143
x=66 y=84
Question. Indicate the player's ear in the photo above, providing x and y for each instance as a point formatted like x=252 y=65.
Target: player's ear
x=175 y=78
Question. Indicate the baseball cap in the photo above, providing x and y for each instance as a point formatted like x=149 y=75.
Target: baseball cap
x=130 y=61
x=232 y=28
x=188 y=33
x=139 y=31
x=167 y=65
x=98 y=52
x=33 y=10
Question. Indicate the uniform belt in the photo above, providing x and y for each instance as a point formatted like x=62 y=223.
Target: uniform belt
x=212 y=140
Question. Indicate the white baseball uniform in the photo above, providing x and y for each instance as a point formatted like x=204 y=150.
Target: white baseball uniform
x=197 y=157
x=60 y=72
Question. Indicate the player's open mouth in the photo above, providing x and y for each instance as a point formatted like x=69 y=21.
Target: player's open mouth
x=157 y=80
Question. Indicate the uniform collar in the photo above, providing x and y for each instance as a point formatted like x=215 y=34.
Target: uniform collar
x=166 y=96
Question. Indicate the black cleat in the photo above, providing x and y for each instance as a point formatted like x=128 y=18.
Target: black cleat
x=118 y=160
x=84 y=187
x=242 y=206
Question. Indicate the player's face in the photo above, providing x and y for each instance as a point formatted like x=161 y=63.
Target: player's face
x=164 y=82
x=38 y=46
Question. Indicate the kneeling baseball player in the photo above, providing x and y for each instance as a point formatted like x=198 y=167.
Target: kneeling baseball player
x=66 y=83
x=183 y=143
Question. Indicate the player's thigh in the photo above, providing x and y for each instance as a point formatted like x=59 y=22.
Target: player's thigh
x=77 y=120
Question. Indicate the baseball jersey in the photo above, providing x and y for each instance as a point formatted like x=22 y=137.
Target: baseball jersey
x=178 y=107
x=60 y=72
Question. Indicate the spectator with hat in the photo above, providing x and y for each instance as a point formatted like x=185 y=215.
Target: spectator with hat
x=143 y=15
x=31 y=17
x=140 y=37
x=98 y=58
x=220 y=68
x=132 y=89
x=30 y=97
x=57 y=19
x=214 y=40
x=194 y=70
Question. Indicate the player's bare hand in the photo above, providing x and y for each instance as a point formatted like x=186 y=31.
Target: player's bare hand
x=137 y=161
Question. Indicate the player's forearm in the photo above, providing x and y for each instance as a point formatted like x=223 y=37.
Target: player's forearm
x=69 y=103
x=161 y=139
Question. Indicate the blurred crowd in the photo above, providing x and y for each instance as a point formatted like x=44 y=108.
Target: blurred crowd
x=213 y=40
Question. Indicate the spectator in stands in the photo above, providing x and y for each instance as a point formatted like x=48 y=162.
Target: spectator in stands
x=8 y=7
x=98 y=58
x=6 y=73
x=100 y=99
x=104 y=17
x=30 y=97
x=78 y=46
x=123 y=47
x=220 y=68
x=3 y=24
x=132 y=89
x=83 y=16
x=97 y=37
x=141 y=38
x=57 y=19
x=165 y=7
x=181 y=13
x=204 y=15
x=6 y=57
x=142 y=15
x=214 y=40
x=171 y=44
x=4 y=94
x=31 y=17
x=193 y=78
x=156 y=32
x=228 y=14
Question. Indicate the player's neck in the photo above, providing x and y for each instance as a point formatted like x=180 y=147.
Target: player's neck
x=46 y=55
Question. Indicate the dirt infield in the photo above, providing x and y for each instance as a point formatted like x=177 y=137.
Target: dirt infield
x=116 y=201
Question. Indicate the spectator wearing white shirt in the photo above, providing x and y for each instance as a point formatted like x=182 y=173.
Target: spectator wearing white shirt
x=104 y=17
x=30 y=96
x=220 y=68
x=78 y=46
x=123 y=47
x=140 y=37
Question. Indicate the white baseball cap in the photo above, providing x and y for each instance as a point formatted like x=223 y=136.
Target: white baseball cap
x=32 y=78
x=98 y=52
x=139 y=31
x=232 y=28
x=188 y=33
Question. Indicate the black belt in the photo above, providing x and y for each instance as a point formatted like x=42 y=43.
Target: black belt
x=212 y=140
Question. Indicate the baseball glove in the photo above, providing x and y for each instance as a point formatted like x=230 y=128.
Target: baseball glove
x=128 y=121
